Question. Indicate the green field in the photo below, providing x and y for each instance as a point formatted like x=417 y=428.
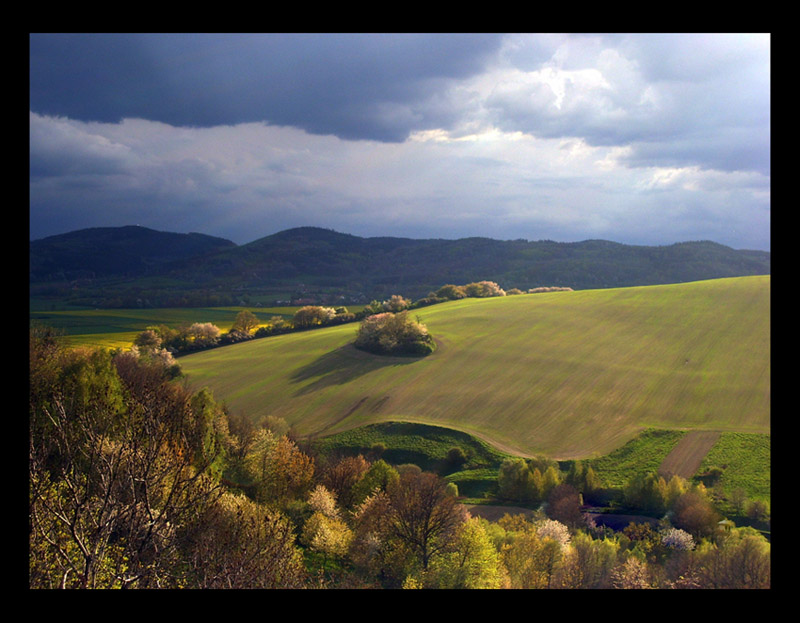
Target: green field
x=117 y=328
x=745 y=460
x=564 y=374
x=642 y=454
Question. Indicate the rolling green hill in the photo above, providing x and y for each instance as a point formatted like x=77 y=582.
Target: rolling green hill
x=566 y=374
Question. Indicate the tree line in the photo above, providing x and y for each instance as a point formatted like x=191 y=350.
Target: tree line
x=247 y=326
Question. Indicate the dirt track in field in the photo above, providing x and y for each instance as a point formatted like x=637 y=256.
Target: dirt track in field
x=685 y=458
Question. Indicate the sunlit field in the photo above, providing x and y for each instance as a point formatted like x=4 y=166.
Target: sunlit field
x=117 y=328
x=566 y=374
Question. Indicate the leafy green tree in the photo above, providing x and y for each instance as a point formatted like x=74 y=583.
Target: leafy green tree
x=533 y=553
x=739 y=499
x=451 y=292
x=377 y=478
x=645 y=540
x=694 y=512
x=588 y=562
x=472 y=563
x=373 y=307
x=740 y=560
x=512 y=479
x=277 y=469
x=647 y=491
x=246 y=322
x=456 y=457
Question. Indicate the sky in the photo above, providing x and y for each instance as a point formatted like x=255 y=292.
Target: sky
x=646 y=139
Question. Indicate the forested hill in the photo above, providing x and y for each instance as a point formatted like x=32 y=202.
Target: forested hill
x=130 y=251
x=312 y=258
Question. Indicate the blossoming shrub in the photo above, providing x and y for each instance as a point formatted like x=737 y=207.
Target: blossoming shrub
x=394 y=334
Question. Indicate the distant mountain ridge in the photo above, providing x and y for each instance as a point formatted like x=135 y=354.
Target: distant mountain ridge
x=312 y=258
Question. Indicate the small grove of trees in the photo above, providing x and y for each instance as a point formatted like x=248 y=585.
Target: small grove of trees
x=541 y=553
x=202 y=335
x=393 y=334
x=531 y=481
x=313 y=315
x=477 y=289
x=196 y=336
x=689 y=504
x=414 y=533
x=549 y=289
x=395 y=303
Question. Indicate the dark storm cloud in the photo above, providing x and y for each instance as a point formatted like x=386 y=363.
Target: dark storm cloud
x=353 y=86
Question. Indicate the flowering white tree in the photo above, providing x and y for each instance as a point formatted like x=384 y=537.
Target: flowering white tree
x=675 y=538
x=396 y=303
x=550 y=528
x=325 y=531
x=323 y=501
x=204 y=334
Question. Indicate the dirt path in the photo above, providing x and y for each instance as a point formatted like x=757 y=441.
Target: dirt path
x=686 y=456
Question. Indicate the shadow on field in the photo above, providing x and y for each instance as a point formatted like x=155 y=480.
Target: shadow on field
x=341 y=366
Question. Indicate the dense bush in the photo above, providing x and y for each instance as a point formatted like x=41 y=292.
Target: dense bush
x=483 y=289
x=394 y=334
x=313 y=315
x=549 y=289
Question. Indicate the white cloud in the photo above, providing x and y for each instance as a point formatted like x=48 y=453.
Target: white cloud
x=253 y=179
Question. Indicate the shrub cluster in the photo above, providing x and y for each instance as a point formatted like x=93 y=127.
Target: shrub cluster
x=394 y=334
x=549 y=289
x=477 y=289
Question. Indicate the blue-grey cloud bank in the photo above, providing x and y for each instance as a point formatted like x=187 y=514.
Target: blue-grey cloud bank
x=642 y=139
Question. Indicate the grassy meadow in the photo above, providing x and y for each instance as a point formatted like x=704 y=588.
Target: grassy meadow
x=117 y=328
x=564 y=374
x=745 y=460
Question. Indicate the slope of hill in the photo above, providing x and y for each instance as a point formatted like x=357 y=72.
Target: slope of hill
x=567 y=374
x=310 y=259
